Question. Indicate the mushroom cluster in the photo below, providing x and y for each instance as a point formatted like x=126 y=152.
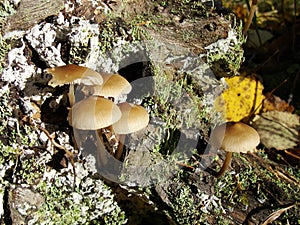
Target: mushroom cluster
x=97 y=109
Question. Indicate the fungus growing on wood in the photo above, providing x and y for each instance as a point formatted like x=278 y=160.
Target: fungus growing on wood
x=233 y=137
x=93 y=113
x=73 y=73
x=70 y=74
x=134 y=118
x=113 y=86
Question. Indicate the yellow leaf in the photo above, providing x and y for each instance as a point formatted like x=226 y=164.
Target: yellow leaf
x=243 y=96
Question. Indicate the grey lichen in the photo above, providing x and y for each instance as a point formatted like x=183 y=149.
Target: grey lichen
x=188 y=206
x=19 y=69
x=42 y=38
x=226 y=55
x=90 y=202
x=60 y=204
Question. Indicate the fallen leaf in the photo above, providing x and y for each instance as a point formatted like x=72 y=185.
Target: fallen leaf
x=277 y=129
x=257 y=38
x=272 y=217
x=243 y=96
x=273 y=102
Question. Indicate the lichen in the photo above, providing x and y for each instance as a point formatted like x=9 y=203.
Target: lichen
x=225 y=56
x=6 y=9
x=19 y=69
x=4 y=49
x=42 y=38
x=91 y=201
x=189 y=206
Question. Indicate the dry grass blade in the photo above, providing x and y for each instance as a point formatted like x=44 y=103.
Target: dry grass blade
x=273 y=216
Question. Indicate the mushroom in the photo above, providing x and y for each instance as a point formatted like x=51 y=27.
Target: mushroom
x=93 y=113
x=233 y=137
x=70 y=74
x=113 y=86
x=133 y=119
x=73 y=73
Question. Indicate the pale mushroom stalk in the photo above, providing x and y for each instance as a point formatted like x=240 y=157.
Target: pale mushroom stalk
x=119 y=152
x=225 y=165
x=101 y=153
x=71 y=94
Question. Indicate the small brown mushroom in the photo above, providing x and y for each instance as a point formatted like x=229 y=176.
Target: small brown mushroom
x=134 y=118
x=113 y=86
x=73 y=73
x=93 y=113
x=233 y=137
x=70 y=74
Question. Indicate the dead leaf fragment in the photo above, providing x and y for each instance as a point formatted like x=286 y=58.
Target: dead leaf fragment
x=273 y=216
x=277 y=129
x=273 y=102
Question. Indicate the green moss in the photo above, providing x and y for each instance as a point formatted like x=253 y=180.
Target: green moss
x=183 y=205
x=187 y=8
x=136 y=25
x=61 y=208
x=111 y=30
x=4 y=49
x=58 y=207
x=8 y=155
x=6 y=9
x=5 y=110
x=227 y=63
x=254 y=185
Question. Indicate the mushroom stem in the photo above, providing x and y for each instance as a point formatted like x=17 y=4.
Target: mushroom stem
x=119 y=151
x=225 y=165
x=101 y=153
x=71 y=94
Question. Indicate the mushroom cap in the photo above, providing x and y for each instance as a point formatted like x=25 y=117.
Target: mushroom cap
x=234 y=137
x=113 y=86
x=73 y=73
x=93 y=113
x=134 y=118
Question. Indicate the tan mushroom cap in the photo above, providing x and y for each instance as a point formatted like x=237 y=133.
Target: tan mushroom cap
x=234 y=137
x=134 y=118
x=73 y=73
x=94 y=113
x=113 y=86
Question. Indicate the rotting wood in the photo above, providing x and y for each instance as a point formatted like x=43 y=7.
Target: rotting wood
x=30 y=13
